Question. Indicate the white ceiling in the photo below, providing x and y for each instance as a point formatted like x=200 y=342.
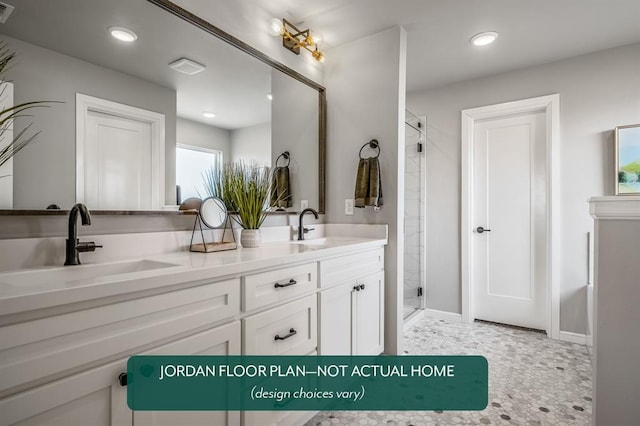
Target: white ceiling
x=531 y=31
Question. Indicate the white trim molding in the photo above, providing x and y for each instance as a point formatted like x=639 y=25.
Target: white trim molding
x=413 y=320
x=85 y=103
x=442 y=315
x=550 y=105
x=621 y=207
x=568 y=336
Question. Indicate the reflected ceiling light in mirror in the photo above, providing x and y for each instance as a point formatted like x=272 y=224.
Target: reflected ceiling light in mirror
x=270 y=96
x=187 y=66
x=293 y=38
x=123 y=34
x=208 y=114
x=484 y=38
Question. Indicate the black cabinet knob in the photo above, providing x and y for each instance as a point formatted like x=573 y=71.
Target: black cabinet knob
x=122 y=379
x=480 y=230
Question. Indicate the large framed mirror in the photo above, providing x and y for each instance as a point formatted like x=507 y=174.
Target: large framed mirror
x=139 y=118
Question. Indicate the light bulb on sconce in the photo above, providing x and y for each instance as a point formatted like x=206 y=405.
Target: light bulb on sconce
x=293 y=38
x=275 y=27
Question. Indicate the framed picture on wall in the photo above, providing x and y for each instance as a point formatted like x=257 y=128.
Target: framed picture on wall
x=628 y=160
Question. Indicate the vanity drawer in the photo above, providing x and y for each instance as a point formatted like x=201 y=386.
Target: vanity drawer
x=346 y=268
x=266 y=288
x=33 y=350
x=290 y=329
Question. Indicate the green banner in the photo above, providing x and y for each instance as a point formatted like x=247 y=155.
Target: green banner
x=307 y=383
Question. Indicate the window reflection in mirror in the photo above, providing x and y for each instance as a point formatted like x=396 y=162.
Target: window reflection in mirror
x=192 y=165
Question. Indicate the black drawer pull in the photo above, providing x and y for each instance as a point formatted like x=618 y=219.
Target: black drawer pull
x=292 y=332
x=122 y=379
x=356 y=288
x=361 y=286
x=291 y=282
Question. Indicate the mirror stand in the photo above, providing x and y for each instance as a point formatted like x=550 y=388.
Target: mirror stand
x=212 y=214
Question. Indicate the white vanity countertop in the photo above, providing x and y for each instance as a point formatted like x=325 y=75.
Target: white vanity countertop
x=30 y=289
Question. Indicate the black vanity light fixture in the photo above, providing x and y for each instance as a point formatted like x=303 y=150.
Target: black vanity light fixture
x=293 y=38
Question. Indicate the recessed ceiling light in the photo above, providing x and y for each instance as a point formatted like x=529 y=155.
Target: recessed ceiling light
x=484 y=38
x=269 y=96
x=208 y=114
x=123 y=34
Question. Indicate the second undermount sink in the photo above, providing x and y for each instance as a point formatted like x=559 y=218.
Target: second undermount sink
x=317 y=243
x=77 y=274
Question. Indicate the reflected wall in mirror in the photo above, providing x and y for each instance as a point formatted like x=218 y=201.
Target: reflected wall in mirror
x=65 y=50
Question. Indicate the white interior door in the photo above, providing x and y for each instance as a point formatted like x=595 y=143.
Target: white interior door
x=119 y=155
x=117 y=159
x=509 y=201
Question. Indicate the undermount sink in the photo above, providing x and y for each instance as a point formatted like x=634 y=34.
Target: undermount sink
x=80 y=273
x=317 y=243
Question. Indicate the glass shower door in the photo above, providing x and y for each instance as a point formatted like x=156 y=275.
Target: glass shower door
x=414 y=219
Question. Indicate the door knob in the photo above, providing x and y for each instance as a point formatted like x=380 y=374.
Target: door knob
x=480 y=230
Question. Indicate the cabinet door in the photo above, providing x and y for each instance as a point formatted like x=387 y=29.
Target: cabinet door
x=368 y=316
x=91 y=398
x=224 y=340
x=335 y=320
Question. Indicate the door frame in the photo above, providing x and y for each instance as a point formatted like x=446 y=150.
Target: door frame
x=550 y=105
x=85 y=104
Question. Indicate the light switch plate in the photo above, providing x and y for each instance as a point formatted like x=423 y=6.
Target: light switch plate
x=348 y=207
x=304 y=204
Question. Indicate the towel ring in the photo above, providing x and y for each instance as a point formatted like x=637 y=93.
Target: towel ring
x=373 y=144
x=286 y=156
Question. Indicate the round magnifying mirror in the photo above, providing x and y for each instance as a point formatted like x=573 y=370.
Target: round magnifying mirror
x=213 y=212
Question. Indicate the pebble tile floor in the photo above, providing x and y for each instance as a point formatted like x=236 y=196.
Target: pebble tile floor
x=533 y=380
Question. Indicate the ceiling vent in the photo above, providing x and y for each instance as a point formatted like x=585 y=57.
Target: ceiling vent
x=187 y=66
x=5 y=11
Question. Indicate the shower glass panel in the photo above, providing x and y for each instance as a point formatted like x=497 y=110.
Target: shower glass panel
x=414 y=220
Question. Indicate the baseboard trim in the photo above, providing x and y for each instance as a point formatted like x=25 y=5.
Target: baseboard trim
x=568 y=336
x=413 y=320
x=442 y=315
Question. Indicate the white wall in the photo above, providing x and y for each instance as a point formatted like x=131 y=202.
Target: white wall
x=598 y=92
x=192 y=133
x=45 y=172
x=251 y=143
x=366 y=100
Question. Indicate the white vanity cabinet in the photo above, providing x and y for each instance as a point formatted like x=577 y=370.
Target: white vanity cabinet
x=47 y=355
x=286 y=329
x=66 y=364
x=99 y=396
x=352 y=304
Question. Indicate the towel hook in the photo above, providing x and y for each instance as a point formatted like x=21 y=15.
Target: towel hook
x=286 y=156
x=373 y=144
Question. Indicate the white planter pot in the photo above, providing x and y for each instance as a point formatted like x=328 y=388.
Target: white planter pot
x=250 y=238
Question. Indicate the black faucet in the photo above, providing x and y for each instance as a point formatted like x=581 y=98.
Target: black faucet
x=301 y=229
x=74 y=246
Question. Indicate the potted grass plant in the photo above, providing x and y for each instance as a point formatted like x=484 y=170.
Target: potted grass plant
x=246 y=191
x=16 y=141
